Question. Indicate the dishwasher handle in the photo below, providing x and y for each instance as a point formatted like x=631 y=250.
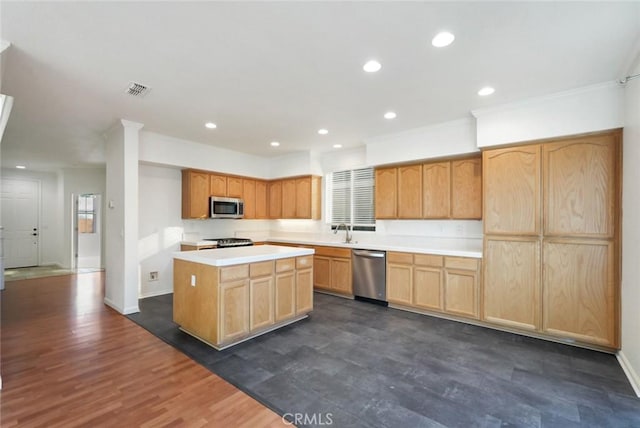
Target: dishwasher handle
x=370 y=254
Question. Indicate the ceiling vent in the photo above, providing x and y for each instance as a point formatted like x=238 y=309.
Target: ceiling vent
x=137 y=89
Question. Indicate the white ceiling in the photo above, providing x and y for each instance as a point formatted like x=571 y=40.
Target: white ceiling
x=280 y=71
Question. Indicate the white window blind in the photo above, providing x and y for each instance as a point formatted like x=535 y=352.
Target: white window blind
x=352 y=198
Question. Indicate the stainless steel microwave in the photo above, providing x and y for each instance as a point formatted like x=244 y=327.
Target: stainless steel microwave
x=226 y=207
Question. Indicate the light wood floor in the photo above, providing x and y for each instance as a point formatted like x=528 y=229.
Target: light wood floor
x=68 y=360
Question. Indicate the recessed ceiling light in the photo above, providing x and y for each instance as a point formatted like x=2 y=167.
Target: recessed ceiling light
x=275 y=144
x=323 y=131
x=487 y=90
x=21 y=167
x=443 y=39
x=337 y=146
x=390 y=115
x=372 y=66
x=211 y=125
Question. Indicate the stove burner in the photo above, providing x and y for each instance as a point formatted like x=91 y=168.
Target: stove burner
x=231 y=242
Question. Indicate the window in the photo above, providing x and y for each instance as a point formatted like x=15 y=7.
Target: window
x=352 y=199
x=86 y=214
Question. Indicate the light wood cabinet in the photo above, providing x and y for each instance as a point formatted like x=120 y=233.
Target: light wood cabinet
x=410 y=192
x=436 y=187
x=462 y=286
x=304 y=290
x=289 y=198
x=332 y=270
x=400 y=283
x=261 y=295
x=275 y=199
x=249 y=197
x=308 y=197
x=512 y=191
x=218 y=184
x=285 y=295
x=580 y=187
x=234 y=187
x=427 y=287
x=195 y=194
x=234 y=310
x=262 y=210
x=386 y=193
x=466 y=188
x=580 y=295
x=512 y=282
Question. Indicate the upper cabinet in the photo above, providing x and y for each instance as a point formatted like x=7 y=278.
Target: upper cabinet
x=436 y=185
x=234 y=187
x=262 y=207
x=445 y=189
x=386 y=193
x=218 y=184
x=195 y=194
x=410 y=191
x=275 y=199
x=512 y=190
x=308 y=197
x=580 y=187
x=466 y=188
x=249 y=197
x=289 y=198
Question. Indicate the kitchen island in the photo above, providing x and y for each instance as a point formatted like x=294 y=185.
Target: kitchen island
x=228 y=295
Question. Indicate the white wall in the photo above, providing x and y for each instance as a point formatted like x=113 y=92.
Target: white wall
x=51 y=226
x=588 y=109
x=630 y=354
x=445 y=139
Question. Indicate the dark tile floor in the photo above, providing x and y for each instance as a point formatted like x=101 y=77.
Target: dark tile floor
x=355 y=364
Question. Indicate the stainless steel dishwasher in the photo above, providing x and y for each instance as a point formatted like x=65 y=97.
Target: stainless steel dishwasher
x=370 y=274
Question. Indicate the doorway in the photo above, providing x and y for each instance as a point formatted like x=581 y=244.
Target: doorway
x=87 y=238
x=21 y=221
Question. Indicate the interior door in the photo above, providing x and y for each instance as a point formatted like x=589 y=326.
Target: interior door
x=20 y=208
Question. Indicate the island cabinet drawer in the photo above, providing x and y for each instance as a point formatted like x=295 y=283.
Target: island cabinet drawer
x=344 y=253
x=304 y=262
x=428 y=260
x=261 y=269
x=284 y=265
x=461 y=263
x=400 y=258
x=231 y=273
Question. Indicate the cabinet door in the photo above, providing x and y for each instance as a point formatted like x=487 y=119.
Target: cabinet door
x=436 y=186
x=304 y=291
x=580 y=298
x=399 y=284
x=322 y=272
x=218 y=185
x=195 y=194
x=261 y=200
x=580 y=186
x=466 y=185
x=410 y=191
x=261 y=303
x=275 y=199
x=341 y=276
x=427 y=287
x=234 y=187
x=234 y=310
x=289 y=198
x=511 y=180
x=249 y=197
x=386 y=193
x=303 y=197
x=461 y=292
x=285 y=295
x=512 y=282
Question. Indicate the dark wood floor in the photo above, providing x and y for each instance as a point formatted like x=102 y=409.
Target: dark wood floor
x=67 y=360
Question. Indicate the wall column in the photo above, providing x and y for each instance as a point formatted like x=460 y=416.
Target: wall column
x=121 y=217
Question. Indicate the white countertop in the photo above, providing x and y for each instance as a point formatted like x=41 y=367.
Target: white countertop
x=241 y=255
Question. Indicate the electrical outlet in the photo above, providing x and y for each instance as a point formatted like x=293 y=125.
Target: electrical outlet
x=193 y=280
x=153 y=276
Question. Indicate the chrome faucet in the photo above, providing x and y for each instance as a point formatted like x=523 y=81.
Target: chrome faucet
x=347 y=238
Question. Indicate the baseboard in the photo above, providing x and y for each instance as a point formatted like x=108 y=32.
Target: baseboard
x=633 y=377
x=155 y=293
x=124 y=311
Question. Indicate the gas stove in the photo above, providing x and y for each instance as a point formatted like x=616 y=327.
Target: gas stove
x=230 y=242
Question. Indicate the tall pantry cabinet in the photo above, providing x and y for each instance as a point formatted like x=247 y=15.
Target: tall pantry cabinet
x=551 y=246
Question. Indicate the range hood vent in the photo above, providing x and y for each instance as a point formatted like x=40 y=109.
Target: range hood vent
x=137 y=89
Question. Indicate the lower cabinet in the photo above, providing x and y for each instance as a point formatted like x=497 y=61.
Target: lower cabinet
x=285 y=289
x=261 y=302
x=423 y=281
x=234 y=311
x=332 y=270
x=304 y=284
